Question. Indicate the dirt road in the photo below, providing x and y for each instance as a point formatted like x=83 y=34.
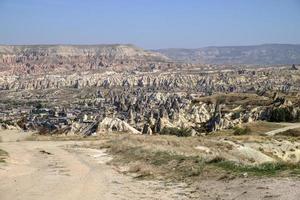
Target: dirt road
x=47 y=170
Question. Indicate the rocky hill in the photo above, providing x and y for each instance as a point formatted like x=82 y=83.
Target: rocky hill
x=38 y=59
x=260 y=54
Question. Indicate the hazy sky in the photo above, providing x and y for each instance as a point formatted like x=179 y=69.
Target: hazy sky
x=150 y=23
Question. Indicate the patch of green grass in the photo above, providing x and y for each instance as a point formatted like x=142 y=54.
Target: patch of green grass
x=266 y=169
x=241 y=131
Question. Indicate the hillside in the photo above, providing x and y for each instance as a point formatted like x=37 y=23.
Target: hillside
x=38 y=59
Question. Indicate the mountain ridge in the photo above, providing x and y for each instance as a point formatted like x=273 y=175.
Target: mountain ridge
x=246 y=54
x=36 y=59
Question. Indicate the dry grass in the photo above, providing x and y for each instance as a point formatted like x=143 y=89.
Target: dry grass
x=172 y=144
x=37 y=137
x=159 y=157
x=255 y=134
x=261 y=127
x=237 y=99
x=177 y=158
x=174 y=158
x=265 y=169
x=290 y=133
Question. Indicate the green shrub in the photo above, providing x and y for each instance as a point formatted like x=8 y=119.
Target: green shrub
x=281 y=115
x=241 y=131
x=180 y=132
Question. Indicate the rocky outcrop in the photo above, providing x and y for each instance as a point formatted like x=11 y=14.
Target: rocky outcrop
x=294 y=67
x=203 y=83
x=108 y=125
x=93 y=89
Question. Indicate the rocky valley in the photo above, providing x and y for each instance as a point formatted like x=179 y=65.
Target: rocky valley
x=149 y=100
x=195 y=118
x=74 y=88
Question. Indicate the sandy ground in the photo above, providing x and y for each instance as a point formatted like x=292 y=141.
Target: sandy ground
x=50 y=170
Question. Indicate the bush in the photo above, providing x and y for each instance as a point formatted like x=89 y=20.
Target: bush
x=241 y=131
x=236 y=115
x=281 y=115
x=180 y=132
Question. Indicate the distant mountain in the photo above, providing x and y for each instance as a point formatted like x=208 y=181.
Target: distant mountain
x=113 y=51
x=36 y=59
x=258 y=54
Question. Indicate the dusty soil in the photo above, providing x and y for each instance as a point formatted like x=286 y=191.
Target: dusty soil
x=49 y=170
x=250 y=189
x=41 y=170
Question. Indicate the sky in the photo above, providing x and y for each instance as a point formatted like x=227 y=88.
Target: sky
x=150 y=24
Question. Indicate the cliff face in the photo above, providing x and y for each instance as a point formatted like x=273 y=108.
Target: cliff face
x=40 y=59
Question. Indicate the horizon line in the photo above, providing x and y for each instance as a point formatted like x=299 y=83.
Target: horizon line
x=134 y=45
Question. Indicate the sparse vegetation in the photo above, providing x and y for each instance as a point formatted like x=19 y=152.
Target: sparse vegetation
x=3 y=154
x=237 y=99
x=38 y=137
x=169 y=157
x=261 y=127
x=180 y=132
x=241 y=130
x=266 y=169
x=291 y=133
x=154 y=162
